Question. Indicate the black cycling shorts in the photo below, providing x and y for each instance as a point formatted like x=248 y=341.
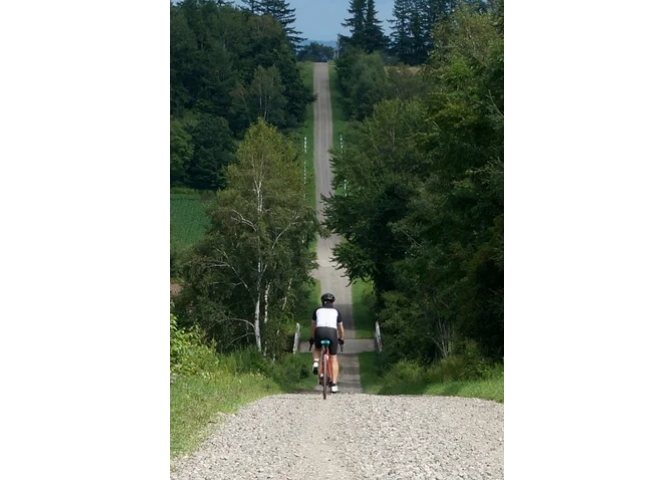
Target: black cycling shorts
x=327 y=333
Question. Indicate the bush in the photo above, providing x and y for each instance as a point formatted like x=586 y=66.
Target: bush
x=466 y=364
x=289 y=370
x=188 y=352
x=405 y=371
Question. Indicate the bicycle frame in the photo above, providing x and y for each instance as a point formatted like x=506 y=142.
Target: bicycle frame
x=325 y=367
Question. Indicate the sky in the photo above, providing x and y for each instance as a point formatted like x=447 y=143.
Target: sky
x=321 y=19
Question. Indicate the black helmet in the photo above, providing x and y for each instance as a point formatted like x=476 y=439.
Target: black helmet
x=327 y=297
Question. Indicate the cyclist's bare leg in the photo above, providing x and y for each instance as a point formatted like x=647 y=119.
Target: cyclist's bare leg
x=335 y=368
x=315 y=357
x=316 y=354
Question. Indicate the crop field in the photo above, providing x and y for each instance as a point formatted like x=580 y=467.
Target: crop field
x=188 y=221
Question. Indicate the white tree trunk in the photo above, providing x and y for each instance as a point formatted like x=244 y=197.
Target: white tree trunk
x=286 y=297
x=258 y=337
x=266 y=302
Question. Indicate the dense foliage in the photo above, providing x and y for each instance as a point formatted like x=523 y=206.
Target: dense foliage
x=423 y=215
x=228 y=67
x=365 y=28
x=244 y=279
x=364 y=80
x=413 y=22
x=315 y=52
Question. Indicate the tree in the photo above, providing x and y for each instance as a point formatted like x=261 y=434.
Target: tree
x=253 y=6
x=240 y=277
x=315 y=52
x=356 y=24
x=373 y=34
x=181 y=153
x=280 y=10
x=213 y=149
x=362 y=82
x=411 y=39
x=264 y=97
x=423 y=216
x=216 y=55
x=381 y=166
x=401 y=39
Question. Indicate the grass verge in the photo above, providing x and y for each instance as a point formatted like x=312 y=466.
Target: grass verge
x=307 y=72
x=406 y=378
x=198 y=403
x=339 y=122
x=362 y=303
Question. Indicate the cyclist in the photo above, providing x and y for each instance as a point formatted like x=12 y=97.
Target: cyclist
x=326 y=322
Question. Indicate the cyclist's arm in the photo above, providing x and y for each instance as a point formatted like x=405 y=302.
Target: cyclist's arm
x=339 y=325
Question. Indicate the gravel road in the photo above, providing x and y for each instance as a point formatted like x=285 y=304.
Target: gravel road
x=350 y=435
x=354 y=436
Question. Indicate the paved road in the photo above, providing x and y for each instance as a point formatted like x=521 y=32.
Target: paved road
x=331 y=279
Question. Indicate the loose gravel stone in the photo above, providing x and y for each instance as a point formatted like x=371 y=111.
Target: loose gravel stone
x=353 y=436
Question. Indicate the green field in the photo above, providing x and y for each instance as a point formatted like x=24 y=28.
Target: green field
x=187 y=220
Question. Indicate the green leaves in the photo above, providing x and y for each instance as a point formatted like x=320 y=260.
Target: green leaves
x=228 y=68
x=256 y=250
x=423 y=218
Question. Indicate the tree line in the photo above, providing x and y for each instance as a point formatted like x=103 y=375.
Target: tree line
x=237 y=98
x=423 y=215
x=410 y=39
x=229 y=66
x=423 y=161
x=244 y=280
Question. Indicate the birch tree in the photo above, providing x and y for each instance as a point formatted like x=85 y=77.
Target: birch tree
x=257 y=246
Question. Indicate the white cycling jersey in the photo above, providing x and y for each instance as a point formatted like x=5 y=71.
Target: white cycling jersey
x=328 y=317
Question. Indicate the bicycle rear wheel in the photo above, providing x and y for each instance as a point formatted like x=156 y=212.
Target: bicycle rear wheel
x=325 y=366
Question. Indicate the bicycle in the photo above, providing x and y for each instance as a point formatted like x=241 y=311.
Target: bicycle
x=325 y=367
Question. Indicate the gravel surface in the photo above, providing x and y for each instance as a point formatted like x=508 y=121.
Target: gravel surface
x=353 y=436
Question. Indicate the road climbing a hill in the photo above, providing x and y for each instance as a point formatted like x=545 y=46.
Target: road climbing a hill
x=350 y=435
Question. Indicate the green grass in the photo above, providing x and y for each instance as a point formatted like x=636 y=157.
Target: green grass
x=339 y=122
x=408 y=379
x=307 y=308
x=362 y=303
x=187 y=219
x=308 y=382
x=307 y=72
x=197 y=403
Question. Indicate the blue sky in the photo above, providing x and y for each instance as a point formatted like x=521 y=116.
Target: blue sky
x=321 y=19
